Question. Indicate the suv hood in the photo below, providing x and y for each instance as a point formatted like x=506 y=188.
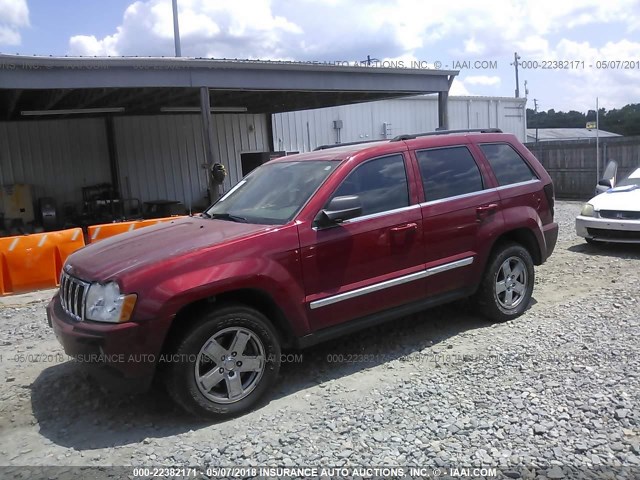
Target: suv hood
x=619 y=198
x=151 y=245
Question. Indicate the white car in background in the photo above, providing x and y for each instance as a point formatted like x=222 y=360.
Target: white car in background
x=614 y=215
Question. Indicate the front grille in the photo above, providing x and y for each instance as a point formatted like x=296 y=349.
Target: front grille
x=601 y=233
x=73 y=292
x=620 y=214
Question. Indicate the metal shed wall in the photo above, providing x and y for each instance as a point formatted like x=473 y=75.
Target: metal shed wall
x=162 y=157
x=307 y=129
x=57 y=157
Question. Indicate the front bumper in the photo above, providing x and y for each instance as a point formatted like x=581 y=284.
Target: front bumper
x=118 y=354
x=608 y=230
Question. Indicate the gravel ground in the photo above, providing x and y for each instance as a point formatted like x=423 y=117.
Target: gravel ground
x=553 y=394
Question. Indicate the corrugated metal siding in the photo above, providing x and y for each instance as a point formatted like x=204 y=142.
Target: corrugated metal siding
x=162 y=157
x=307 y=129
x=57 y=157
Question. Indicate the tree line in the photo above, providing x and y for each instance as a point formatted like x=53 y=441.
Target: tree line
x=624 y=121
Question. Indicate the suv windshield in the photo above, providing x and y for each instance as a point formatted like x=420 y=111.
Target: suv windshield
x=273 y=193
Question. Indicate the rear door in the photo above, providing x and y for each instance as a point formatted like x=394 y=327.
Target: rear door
x=460 y=216
x=521 y=192
x=372 y=262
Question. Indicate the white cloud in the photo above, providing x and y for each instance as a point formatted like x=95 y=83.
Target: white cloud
x=532 y=46
x=484 y=80
x=407 y=30
x=459 y=89
x=298 y=29
x=14 y=15
x=238 y=29
x=614 y=86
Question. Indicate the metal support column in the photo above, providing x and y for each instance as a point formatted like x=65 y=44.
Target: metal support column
x=209 y=141
x=443 y=107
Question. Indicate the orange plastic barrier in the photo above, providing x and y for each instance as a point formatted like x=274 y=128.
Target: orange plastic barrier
x=154 y=221
x=100 y=232
x=106 y=230
x=30 y=262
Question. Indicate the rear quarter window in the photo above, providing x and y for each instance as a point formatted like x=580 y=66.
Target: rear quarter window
x=507 y=164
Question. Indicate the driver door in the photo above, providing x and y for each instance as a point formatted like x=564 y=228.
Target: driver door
x=369 y=263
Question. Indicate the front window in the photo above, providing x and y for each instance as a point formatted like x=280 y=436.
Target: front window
x=273 y=193
x=381 y=185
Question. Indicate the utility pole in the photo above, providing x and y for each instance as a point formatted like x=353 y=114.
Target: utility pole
x=597 y=142
x=176 y=29
x=535 y=109
x=515 y=63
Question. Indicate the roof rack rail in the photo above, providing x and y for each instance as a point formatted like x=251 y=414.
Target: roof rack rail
x=336 y=145
x=445 y=132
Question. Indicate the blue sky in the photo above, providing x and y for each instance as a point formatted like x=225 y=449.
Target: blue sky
x=397 y=31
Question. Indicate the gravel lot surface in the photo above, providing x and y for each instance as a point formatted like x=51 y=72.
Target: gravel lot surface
x=553 y=394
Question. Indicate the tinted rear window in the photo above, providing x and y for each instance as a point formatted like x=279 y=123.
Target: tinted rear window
x=507 y=164
x=448 y=172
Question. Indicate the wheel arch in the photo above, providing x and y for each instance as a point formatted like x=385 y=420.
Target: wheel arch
x=523 y=236
x=254 y=298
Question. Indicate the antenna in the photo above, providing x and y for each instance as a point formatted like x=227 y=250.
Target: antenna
x=369 y=60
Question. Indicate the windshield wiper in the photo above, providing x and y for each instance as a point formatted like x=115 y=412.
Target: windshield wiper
x=228 y=216
x=205 y=215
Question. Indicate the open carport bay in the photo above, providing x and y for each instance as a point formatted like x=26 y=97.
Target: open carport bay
x=556 y=391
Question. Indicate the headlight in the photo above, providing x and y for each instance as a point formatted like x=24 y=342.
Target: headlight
x=587 y=210
x=104 y=303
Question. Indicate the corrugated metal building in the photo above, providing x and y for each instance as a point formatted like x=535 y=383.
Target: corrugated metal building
x=159 y=157
x=307 y=129
x=97 y=132
x=162 y=156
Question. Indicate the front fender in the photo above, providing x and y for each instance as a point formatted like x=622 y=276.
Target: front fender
x=280 y=281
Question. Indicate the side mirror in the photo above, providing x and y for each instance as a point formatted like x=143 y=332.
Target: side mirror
x=339 y=209
x=605 y=182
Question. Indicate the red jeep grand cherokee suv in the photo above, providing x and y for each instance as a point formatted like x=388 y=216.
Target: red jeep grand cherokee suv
x=306 y=248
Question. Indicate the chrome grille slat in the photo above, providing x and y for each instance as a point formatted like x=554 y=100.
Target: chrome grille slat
x=67 y=295
x=73 y=293
x=62 y=282
x=74 y=306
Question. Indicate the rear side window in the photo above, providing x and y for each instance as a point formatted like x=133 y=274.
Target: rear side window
x=507 y=164
x=448 y=172
x=381 y=185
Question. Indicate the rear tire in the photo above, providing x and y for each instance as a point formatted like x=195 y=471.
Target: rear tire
x=225 y=363
x=507 y=286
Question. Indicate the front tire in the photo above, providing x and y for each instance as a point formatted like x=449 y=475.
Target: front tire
x=225 y=363
x=507 y=286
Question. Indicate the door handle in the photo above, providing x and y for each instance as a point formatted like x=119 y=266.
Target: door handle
x=404 y=228
x=486 y=210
